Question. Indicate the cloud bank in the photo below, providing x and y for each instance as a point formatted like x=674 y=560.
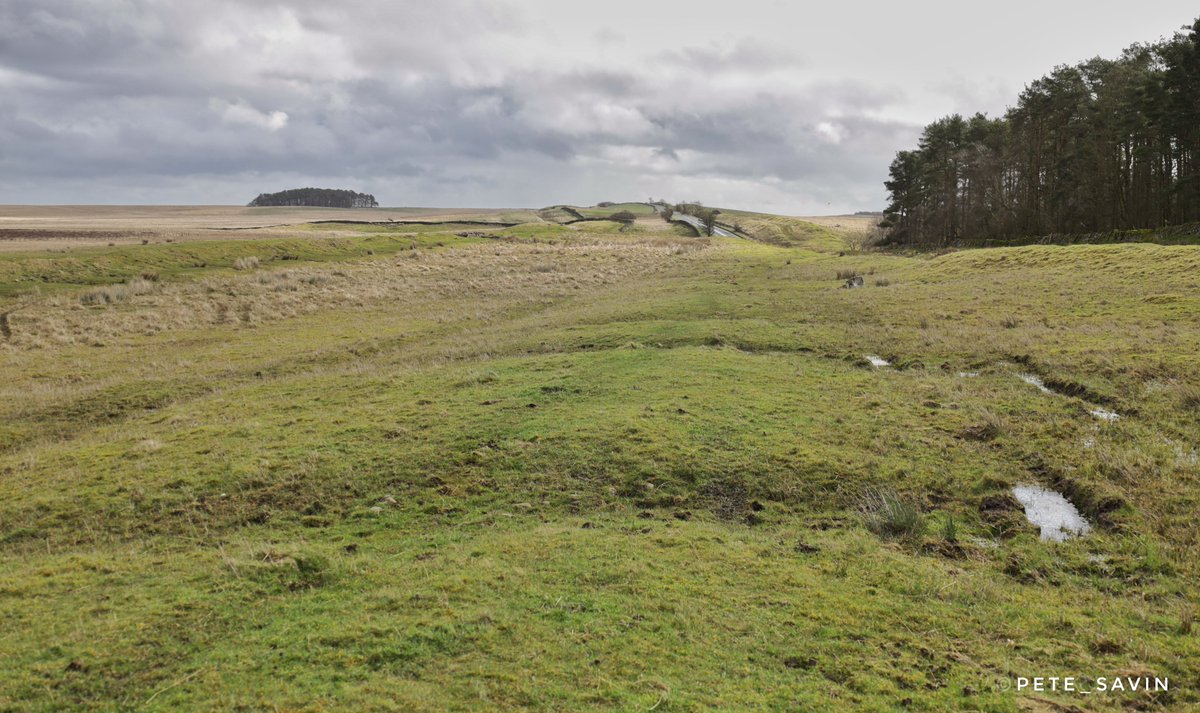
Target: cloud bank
x=455 y=103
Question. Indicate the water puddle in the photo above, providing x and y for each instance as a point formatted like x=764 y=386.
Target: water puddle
x=968 y=374
x=1035 y=381
x=1098 y=412
x=877 y=362
x=1050 y=511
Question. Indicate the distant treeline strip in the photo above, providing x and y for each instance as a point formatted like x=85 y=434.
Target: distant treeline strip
x=316 y=197
x=1101 y=147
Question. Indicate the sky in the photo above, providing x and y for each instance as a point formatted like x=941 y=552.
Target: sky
x=788 y=107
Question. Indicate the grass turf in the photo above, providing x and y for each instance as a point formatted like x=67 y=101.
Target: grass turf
x=574 y=469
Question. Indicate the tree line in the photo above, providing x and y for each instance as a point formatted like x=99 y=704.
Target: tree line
x=1103 y=145
x=317 y=197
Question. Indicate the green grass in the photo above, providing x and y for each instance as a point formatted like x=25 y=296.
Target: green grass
x=25 y=273
x=635 y=208
x=572 y=469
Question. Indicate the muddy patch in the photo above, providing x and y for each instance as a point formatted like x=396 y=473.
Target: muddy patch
x=1077 y=390
x=1057 y=518
x=1003 y=515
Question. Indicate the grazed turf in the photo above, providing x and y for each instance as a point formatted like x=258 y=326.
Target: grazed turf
x=570 y=469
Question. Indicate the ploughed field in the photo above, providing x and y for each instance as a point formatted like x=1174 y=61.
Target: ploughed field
x=347 y=466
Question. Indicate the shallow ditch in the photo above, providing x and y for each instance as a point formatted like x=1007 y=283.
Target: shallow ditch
x=1056 y=388
x=1035 y=381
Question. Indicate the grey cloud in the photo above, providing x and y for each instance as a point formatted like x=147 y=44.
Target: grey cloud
x=742 y=56
x=432 y=101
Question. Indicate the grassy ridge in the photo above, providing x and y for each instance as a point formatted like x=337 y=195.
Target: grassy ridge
x=604 y=212
x=577 y=469
x=25 y=273
x=784 y=231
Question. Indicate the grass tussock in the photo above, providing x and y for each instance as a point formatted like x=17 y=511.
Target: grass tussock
x=889 y=515
x=989 y=427
x=949 y=528
x=246 y=263
x=846 y=273
x=117 y=293
x=1189 y=397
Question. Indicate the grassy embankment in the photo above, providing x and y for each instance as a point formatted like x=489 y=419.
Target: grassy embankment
x=573 y=469
x=604 y=212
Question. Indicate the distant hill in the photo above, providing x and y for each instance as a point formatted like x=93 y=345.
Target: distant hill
x=317 y=197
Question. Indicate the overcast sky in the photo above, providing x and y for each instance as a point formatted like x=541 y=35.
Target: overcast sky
x=783 y=106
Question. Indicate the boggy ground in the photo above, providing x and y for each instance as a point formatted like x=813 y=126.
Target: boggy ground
x=568 y=467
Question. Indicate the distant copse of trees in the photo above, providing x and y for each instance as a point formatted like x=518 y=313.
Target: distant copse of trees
x=318 y=197
x=1100 y=146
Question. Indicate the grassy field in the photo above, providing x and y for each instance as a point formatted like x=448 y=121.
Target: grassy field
x=821 y=234
x=548 y=467
x=604 y=212
x=64 y=228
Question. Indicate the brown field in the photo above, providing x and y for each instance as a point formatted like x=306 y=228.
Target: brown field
x=848 y=223
x=34 y=227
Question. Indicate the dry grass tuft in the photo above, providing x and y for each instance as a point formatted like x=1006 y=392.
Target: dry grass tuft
x=1133 y=464
x=117 y=293
x=508 y=269
x=1189 y=397
x=989 y=428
